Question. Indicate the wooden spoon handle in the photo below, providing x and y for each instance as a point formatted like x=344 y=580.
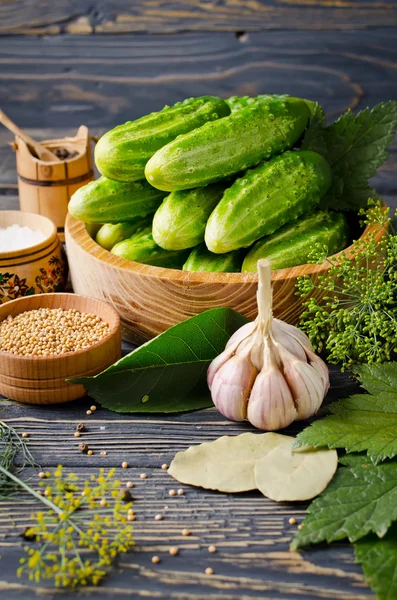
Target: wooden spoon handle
x=42 y=152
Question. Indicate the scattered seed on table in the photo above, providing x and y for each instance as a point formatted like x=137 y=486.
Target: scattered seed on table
x=46 y=492
x=143 y=476
x=186 y=532
x=42 y=475
x=124 y=465
x=103 y=453
x=130 y=511
x=212 y=549
x=103 y=502
x=300 y=526
x=25 y=435
x=155 y=560
x=77 y=434
x=158 y=518
x=292 y=521
x=172 y=493
x=83 y=448
x=209 y=571
x=90 y=452
x=81 y=427
x=126 y=497
x=88 y=412
x=93 y=408
x=130 y=517
x=129 y=484
x=164 y=467
x=173 y=550
x=180 y=492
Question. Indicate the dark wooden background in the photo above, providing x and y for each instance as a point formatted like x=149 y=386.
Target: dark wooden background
x=100 y=63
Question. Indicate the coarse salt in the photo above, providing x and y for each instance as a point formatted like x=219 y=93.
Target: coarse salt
x=16 y=237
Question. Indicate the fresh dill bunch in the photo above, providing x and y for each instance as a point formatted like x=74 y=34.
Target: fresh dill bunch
x=353 y=316
x=83 y=530
x=12 y=445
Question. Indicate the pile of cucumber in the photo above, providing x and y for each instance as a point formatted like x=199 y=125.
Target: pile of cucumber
x=212 y=185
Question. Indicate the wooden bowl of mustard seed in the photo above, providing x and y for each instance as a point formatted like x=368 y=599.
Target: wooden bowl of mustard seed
x=49 y=338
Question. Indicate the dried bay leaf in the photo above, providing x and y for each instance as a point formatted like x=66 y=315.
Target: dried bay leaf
x=226 y=465
x=285 y=475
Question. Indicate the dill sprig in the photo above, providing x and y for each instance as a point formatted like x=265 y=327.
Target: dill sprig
x=81 y=532
x=11 y=446
x=353 y=316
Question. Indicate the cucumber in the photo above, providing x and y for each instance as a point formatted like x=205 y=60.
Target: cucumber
x=266 y=198
x=107 y=201
x=123 y=152
x=142 y=248
x=111 y=234
x=230 y=145
x=201 y=259
x=181 y=219
x=238 y=102
x=291 y=245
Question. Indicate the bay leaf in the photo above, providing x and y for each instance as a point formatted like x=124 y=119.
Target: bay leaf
x=285 y=475
x=226 y=465
x=168 y=373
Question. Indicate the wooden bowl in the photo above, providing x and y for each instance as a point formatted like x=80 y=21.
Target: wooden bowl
x=151 y=299
x=41 y=379
x=38 y=269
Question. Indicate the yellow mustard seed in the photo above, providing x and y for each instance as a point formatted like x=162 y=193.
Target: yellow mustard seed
x=172 y=493
x=25 y=435
x=300 y=527
x=124 y=465
x=90 y=452
x=211 y=549
x=292 y=521
x=130 y=517
x=164 y=467
x=77 y=434
x=155 y=560
x=209 y=571
x=88 y=412
x=186 y=532
x=103 y=453
x=93 y=408
x=42 y=475
x=174 y=550
x=180 y=492
x=50 y=331
x=158 y=518
x=143 y=476
x=129 y=484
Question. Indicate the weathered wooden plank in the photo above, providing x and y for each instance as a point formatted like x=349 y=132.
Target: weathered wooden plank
x=166 y=16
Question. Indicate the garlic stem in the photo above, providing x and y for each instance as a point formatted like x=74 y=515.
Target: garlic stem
x=264 y=293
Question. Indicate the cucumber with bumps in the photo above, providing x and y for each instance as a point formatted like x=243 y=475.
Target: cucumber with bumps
x=111 y=234
x=266 y=198
x=123 y=152
x=201 y=259
x=228 y=146
x=142 y=248
x=180 y=220
x=107 y=201
x=291 y=245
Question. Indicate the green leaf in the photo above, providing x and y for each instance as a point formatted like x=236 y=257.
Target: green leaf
x=378 y=558
x=168 y=373
x=355 y=146
x=358 y=501
x=364 y=421
x=314 y=135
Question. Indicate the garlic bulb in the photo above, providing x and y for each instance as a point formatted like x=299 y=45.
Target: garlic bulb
x=268 y=373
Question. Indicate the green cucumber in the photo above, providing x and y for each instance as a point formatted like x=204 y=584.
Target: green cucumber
x=111 y=234
x=142 y=248
x=123 y=152
x=228 y=146
x=291 y=245
x=201 y=259
x=107 y=201
x=238 y=102
x=266 y=198
x=180 y=220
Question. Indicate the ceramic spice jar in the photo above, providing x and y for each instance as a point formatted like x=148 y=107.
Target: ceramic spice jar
x=38 y=269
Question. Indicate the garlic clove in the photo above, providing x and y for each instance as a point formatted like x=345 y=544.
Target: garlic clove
x=288 y=341
x=219 y=361
x=319 y=365
x=306 y=385
x=231 y=387
x=242 y=333
x=294 y=332
x=271 y=405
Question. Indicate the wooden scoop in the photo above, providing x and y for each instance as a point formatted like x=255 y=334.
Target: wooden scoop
x=43 y=153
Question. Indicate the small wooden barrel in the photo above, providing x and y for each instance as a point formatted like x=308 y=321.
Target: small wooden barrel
x=45 y=188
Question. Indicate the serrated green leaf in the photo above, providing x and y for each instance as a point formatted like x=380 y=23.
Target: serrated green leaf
x=314 y=135
x=168 y=373
x=358 y=501
x=355 y=146
x=364 y=421
x=378 y=558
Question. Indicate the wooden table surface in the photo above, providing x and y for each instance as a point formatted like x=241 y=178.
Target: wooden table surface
x=71 y=62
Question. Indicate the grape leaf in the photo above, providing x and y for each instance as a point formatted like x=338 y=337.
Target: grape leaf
x=168 y=373
x=364 y=421
x=358 y=501
x=355 y=146
x=378 y=558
